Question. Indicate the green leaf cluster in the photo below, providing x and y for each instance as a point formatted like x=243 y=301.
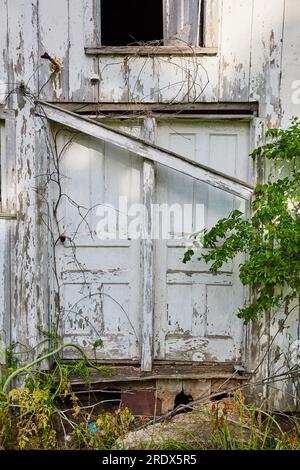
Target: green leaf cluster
x=271 y=237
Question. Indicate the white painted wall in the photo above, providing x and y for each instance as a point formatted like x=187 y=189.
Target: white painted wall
x=257 y=59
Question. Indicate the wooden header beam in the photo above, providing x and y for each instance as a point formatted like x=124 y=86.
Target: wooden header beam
x=147 y=150
x=222 y=109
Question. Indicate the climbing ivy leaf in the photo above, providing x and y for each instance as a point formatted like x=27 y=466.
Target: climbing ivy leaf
x=271 y=237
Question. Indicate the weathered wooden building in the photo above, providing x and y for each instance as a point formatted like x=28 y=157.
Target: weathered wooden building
x=160 y=102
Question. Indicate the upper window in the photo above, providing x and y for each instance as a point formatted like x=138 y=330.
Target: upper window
x=131 y=22
x=144 y=22
x=143 y=27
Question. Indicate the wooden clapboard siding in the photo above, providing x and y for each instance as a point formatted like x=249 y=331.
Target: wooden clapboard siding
x=211 y=22
x=5 y=281
x=81 y=67
x=54 y=39
x=7 y=156
x=27 y=308
x=265 y=76
x=249 y=55
x=7 y=222
x=235 y=44
x=290 y=83
x=243 y=51
x=3 y=51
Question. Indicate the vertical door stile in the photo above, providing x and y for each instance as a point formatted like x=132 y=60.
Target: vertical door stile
x=147 y=252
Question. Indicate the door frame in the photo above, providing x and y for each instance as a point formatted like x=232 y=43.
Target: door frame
x=79 y=123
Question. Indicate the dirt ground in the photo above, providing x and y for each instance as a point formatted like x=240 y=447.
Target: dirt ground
x=193 y=428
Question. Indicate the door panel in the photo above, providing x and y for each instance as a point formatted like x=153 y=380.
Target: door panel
x=195 y=310
x=100 y=280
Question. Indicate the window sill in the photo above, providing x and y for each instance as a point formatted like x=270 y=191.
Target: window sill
x=152 y=51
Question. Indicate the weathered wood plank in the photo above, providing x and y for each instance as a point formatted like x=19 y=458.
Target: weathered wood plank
x=113 y=85
x=257 y=132
x=256 y=339
x=5 y=284
x=148 y=151
x=211 y=23
x=54 y=40
x=290 y=83
x=173 y=79
x=203 y=79
x=8 y=166
x=201 y=108
x=147 y=252
x=181 y=22
x=187 y=278
x=266 y=55
x=83 y=70
x=7 y=158
x=91 y=19
x=181 y=50
x=147 y=257
x=143 y=74
x=234 y=53
x=22 y=24
x=166 y=370
x=3 y=52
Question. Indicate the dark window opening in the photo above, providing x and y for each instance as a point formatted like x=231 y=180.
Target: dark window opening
x=131 y=22
x=182 y=399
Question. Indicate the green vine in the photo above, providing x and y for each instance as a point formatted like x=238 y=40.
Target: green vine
x=271 y=237
x=54 y=352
